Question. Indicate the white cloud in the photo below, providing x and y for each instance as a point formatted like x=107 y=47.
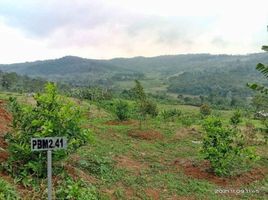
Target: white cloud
x=36 y=29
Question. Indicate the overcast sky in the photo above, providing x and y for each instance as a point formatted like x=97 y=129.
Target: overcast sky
x=38 y=29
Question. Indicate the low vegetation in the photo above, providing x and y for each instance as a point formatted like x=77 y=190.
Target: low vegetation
x=134 y=145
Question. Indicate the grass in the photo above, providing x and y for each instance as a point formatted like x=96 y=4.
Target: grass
x=7 y=192
x=123 y=167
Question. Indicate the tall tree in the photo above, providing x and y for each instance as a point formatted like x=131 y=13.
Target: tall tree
x=140 y=97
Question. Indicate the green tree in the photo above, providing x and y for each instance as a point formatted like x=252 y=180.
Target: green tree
x=122 y=110
x=236 y=118
x=259 y=102
x=139 y=92
x=205 y=110
x=9 y=80
x=53 y=115
x=145 y=106
x=225 y=148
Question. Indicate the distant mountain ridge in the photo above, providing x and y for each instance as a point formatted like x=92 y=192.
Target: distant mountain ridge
x=64 y=65
x=173 y=70
x=166 y=63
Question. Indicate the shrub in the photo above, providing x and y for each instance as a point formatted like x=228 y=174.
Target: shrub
x=225 y=149
x=236 y=118
x=76 y=189
x=97 y=165
x=150 y=108
x=122 y=110
x=53 y=115
x=205 y=110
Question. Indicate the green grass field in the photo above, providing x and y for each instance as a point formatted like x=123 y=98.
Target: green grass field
x=126 y=163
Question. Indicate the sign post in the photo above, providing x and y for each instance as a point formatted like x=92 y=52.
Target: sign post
x=49 y=174
x=48 y=144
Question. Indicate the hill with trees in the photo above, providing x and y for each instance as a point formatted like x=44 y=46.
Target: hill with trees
x=188 y=74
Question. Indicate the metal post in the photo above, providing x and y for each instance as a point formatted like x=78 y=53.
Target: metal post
x=49 y=174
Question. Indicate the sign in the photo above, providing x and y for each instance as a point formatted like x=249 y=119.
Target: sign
x=48 y=143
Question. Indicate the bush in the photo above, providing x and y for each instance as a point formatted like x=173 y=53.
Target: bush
x=236 y=118
x=52 y=116
x=225 y=149
x=150 y=108
x=122 y=110
x=205 y=110
x=7 y=192
x=71 y=189
x=97 y=165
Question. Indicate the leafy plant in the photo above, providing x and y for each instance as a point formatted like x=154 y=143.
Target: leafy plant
x=170 y=114
x=205 y=110
x=53 y=115
x=144 y=106
x=236 y=118
x=96 y=165
x=122 y=110
x=225 y=149
x=150 y=108
x=76 y=190
x=7 y=192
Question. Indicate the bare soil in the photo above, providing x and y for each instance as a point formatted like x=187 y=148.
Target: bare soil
x=186 y=132
x=78 y=174
x=153 y=193
x=128 y=163
x=5 y=120
x=203 y=171
x=146 y=134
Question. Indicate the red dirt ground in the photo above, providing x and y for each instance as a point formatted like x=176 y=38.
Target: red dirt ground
x=145 y=134
x=153 y=193
x=129 y=163
x=5 y=119
x=203 y=171
x=78 y=174
x=186 y=132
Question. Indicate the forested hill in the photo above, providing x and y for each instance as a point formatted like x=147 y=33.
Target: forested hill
x=163 y=64
x=171 y=64
x=187 y=73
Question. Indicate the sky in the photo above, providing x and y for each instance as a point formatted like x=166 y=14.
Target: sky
x=103 y=29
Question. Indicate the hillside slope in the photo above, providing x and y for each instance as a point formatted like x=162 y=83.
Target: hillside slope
x=182 y=73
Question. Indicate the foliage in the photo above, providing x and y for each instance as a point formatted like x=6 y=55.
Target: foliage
x=91 y=93
x=139 y=92
x=53 y=115
x=265 y=123
x=259 y=102
x=144 y=106
x=225 y=149
x=205 y=110
x=7 y=192
x=76 y=189
x=122 y=110
x=264 y=70
x=17 y=83
x=170 y=114
x=214 y=81
x=149 y=108
x=96 y=165
x=236 y=118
